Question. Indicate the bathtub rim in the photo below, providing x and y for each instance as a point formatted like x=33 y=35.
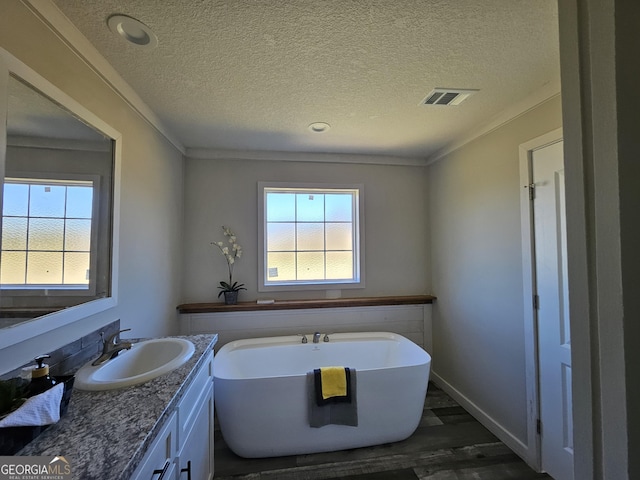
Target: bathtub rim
x=295 y=340
x=259 y=342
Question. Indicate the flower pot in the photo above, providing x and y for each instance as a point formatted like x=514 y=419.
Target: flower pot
x=230 y=298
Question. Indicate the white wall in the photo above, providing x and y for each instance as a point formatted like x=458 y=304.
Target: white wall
x=476 y=256
x=151 y=193
x=224 y=192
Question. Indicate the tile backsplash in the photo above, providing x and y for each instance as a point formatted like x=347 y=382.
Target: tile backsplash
x=69 y=358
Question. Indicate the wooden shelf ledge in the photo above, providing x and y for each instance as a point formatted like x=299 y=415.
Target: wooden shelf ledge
x=302 y=304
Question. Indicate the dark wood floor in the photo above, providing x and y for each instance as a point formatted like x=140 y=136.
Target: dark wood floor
x=449 y=444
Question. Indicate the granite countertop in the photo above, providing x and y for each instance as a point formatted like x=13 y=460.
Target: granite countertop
x=105 y=435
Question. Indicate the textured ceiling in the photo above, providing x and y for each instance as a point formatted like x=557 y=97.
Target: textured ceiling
x=252 y=75
x=31 y=114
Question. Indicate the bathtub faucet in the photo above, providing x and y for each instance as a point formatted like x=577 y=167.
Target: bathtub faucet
x=316 y=337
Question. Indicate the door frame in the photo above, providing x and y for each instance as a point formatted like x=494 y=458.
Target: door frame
x=534 y=456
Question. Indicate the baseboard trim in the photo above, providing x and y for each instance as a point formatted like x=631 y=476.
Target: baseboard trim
x=520 y=448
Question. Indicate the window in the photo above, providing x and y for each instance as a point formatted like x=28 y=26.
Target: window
x=311 y=236
x=47 y=234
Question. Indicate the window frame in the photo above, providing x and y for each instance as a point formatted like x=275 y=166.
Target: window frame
x=44 y=290
x=307 y=285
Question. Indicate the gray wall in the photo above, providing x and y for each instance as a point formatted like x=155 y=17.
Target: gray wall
x=627 y=19
x=151 y=193
x=224 y=192
x=476 y=255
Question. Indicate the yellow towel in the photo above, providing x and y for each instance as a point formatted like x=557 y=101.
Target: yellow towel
x=334 y=382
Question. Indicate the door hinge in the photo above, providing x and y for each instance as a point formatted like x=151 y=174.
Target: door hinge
x=539 y=427
x=536 y=302
x=532 y=191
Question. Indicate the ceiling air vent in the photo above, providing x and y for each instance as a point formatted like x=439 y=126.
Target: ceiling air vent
x=447 y=96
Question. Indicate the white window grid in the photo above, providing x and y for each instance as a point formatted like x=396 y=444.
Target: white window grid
x=87 y=286
x=356 y=280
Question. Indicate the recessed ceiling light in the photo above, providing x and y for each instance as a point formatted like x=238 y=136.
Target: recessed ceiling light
x=132 y=30
x=319 y=127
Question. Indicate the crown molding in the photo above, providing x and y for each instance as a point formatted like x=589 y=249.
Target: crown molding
x=59 y=24
x=58 y=143
x=549 y=91
x=281 y=156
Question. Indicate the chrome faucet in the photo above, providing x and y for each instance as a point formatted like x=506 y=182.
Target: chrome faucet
x=316 y=337
x=111 y=347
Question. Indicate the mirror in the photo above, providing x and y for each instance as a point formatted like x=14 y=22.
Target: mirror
x=57 y=221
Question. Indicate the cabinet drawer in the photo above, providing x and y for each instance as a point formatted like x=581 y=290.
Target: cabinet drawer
x=160 y=454
x=188 y=407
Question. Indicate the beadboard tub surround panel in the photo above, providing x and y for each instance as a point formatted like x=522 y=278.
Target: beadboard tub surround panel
x=411 y=321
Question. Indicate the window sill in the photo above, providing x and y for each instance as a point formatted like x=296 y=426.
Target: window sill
x=306 y=304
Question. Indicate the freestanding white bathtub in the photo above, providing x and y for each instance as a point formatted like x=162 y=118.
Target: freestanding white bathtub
x=261 y=392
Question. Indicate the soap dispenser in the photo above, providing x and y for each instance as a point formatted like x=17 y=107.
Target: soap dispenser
x=40 y=379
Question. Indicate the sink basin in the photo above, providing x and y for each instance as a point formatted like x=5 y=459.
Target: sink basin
x=144 y=361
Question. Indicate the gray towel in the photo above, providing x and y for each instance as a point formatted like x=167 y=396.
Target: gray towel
x=333 y=413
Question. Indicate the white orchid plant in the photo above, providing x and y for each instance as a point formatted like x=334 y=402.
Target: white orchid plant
x=231 y=253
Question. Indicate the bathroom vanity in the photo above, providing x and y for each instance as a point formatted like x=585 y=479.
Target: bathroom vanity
x=164 y=425
x=184 y=446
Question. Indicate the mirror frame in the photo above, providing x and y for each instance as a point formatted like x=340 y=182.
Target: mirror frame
x=46 y=323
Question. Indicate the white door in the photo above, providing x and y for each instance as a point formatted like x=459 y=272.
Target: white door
x=554 y=341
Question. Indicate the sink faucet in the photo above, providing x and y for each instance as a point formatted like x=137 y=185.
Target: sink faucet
x=316 y=337
x=111 y=347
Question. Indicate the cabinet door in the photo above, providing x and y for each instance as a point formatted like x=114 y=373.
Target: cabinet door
x=190 y=402
x=196 y=454
x=158 y=461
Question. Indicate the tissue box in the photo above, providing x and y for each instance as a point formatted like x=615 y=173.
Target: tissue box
x=13 y=439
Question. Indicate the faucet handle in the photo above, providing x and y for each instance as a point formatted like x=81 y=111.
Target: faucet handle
x=304 y=337
x=326 y=336
x=112 y=337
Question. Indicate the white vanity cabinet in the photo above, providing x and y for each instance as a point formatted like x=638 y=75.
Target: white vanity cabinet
x=195 y=426
x=183 y=450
